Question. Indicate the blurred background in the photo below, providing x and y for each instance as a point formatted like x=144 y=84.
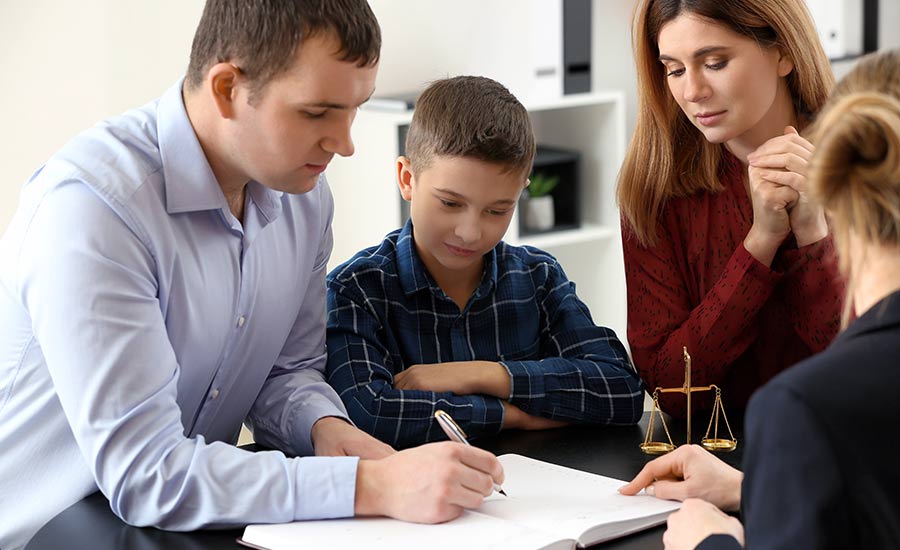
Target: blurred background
x=66 y=65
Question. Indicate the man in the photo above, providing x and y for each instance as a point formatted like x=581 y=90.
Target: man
x=163 y=280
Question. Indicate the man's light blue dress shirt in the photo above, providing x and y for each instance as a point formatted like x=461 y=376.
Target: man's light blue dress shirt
x=141 y=323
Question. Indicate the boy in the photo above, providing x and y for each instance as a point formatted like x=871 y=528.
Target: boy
x=444 y=315
x=164 y=279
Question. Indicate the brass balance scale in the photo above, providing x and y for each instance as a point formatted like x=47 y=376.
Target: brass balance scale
x=714 y=443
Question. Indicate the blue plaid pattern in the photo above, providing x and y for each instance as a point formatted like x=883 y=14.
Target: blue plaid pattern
x=386 y=313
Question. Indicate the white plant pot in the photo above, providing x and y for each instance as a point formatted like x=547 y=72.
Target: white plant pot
x=539 y=213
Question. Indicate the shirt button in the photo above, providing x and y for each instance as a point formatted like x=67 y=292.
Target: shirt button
x=241 y=321
x=213 y=394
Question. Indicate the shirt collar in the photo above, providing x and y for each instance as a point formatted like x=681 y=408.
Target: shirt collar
x=414 y=276
x=268 y=201
x=884 y=314
x=190 y=183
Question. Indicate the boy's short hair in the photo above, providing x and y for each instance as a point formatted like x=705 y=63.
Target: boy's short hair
x=262 y=36
x=470 y=116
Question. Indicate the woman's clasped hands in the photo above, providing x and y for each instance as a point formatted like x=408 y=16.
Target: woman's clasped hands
x=778 y=190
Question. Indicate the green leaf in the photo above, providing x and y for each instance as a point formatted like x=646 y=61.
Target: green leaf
x=542 y=184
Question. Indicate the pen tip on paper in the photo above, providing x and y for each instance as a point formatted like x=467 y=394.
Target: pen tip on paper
x=502 y=492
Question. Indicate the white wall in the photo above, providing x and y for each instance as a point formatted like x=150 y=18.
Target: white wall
x=65 y=65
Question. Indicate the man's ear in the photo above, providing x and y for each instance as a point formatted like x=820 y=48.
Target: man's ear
x=222 y=80
x=405 y=178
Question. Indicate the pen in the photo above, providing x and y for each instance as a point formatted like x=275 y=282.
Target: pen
x=455 y=433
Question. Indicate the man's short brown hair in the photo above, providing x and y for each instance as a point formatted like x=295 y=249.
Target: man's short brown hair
x=470 y=116
x=262 y=36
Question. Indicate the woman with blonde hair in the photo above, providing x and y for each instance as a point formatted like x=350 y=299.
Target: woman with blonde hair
x=724 y=254
x=817 y=472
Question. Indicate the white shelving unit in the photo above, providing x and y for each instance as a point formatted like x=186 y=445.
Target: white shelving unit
x=367 y=200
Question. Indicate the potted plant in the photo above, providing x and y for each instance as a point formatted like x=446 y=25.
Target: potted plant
x=538 y=207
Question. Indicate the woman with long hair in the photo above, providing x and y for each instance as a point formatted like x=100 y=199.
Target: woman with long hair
x=724 y=254
x=817 y=472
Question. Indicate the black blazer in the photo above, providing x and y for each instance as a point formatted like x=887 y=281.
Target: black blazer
x=818 y=468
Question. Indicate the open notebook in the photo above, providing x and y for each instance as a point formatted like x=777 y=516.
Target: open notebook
x=549 y=507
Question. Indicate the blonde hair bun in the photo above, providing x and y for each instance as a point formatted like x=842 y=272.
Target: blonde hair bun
x=858 y=150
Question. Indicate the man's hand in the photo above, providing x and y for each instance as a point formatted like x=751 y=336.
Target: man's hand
x=516 y=418
x=689 y=472
x=696 y=520
x=333 y=436
x=432 y=483
x=459 y=377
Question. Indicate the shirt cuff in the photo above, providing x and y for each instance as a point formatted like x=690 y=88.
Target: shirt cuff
x=791 y=259
x=526 y=384
x=754 y=267
x=307 y=415
x=325 y=487
x=486 y=418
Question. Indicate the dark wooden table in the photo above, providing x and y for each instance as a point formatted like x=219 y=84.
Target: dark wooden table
x=610 y=451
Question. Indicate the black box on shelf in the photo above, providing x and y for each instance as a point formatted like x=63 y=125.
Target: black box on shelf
x=564 y=167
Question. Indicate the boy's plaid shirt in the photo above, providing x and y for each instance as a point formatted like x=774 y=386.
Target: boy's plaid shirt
x=386 y=313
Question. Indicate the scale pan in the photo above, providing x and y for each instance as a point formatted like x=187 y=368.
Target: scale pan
x=718 y=444
x=657 y=447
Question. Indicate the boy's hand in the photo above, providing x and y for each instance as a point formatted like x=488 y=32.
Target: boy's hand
x=516 y=418
x=459 y=377
x=689 y=472
x=696 y=520
x=333 y=436
x=432 y=483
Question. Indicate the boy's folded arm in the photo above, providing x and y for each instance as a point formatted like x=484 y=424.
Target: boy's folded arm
x=405 y=418
x=582 y=372
x=593 y=389
x=362 y=372
x=459 y=377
